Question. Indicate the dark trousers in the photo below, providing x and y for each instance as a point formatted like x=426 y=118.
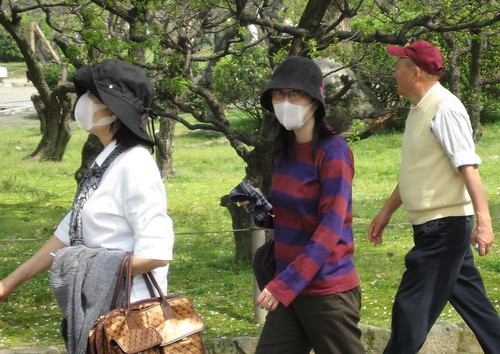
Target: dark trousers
x=327 y=324
x=440 y=268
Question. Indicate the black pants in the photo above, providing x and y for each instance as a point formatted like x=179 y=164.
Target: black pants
x=440 y=268
x=328 y=324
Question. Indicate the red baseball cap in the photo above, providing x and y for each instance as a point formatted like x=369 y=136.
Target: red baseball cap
x=423 y=54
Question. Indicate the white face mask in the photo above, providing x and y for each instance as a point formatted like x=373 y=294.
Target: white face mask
x=292 y=116
x=85 y=110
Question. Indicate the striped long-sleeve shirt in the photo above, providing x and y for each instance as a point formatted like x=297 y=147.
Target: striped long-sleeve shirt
x=312 y=204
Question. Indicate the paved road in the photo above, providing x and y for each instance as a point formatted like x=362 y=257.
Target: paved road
x=15 y=93
x=15 y=103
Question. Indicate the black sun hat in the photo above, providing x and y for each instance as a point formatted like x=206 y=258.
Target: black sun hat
x=123 y=88
x=298 y=73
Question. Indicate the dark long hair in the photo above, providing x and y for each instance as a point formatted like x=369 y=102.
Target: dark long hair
x=126 y=139
x=284 y=140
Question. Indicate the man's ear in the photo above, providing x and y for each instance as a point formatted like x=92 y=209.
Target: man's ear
x=417 y=73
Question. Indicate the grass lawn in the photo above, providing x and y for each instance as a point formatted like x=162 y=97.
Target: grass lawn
x=34 y=196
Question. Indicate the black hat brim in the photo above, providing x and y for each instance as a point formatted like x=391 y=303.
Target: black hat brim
x=126 y=113
x=128 y=109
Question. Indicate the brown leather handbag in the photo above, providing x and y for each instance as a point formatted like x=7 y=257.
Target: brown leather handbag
x=163 y=324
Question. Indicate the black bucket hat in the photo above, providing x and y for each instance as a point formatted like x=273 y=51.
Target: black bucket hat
x=298 y=73
x=123 y=88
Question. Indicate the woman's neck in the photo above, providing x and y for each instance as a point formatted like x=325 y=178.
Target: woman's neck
x=104 y=133
x=305 y=134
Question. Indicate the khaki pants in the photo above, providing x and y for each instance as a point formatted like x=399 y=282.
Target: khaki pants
x=328 y=324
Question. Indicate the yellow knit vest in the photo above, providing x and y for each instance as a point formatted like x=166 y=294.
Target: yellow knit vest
x=429 y=186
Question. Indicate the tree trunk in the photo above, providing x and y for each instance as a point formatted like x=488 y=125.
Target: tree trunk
x=311 y=20
x=90 y=150
x=475 y=104
x=453 y=67
x=54 y=126
x=241 y=220
x=258 y=172
x=165 y=136
x=52 y=104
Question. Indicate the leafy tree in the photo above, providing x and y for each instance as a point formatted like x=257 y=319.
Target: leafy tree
x=209 y=58
x=52 y=104
x=9 y=52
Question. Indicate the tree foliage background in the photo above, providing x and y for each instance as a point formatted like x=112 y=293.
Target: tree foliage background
x=210 y=59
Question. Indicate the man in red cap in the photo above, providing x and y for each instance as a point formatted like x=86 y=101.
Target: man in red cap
x=440 y=188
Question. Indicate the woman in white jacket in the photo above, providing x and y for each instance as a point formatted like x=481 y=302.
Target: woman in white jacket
x=122 y=208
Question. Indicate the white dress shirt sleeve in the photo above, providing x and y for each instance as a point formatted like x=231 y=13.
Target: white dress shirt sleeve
x=62 y=230
x=453 y=131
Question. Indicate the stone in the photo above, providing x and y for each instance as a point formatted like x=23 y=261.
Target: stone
x=374 y=339
x=246 y=345
x=468 y=343
x=358 y=102
x=35 y=350
x=444 y=338
x=220 y=345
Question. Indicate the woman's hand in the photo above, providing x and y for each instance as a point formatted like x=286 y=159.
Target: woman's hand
x=267 y=301
x=40 y=261
x=244 y=203
x=5 y=290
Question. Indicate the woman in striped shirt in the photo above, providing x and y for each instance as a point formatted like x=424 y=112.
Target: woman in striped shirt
x=314 y=298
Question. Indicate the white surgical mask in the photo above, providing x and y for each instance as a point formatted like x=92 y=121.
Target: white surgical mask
x=85 y=110
x=292 y=116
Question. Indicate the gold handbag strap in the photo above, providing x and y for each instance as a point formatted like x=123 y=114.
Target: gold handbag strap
x=168 y=312
x=128 y=284
x=119 y=280
x=151 y=283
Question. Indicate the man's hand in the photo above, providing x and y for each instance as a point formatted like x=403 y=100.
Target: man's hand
x=483 y=233
x=483 y=236
x=378 y=224
x=376 y=228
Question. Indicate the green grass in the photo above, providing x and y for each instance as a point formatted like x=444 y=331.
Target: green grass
x=35 y=195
